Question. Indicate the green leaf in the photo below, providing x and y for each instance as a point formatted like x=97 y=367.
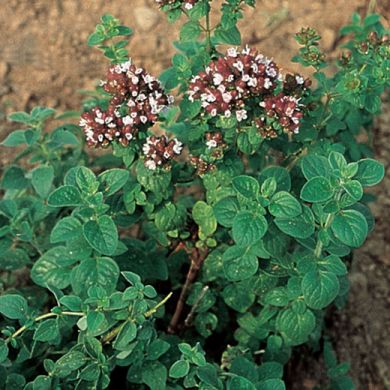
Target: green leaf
x=284 y=205
x=154 y=375
x=15 y=138
x=230 y=36
x=296 y=327
x=21 y=117
x=239 y=296
x=247 y=186
x=354 y=189
x=280 y=174
x=350 y=227
x=334 y=264
x=238 y=264
x=14 y=179
x=314 y=165
x=370 y=172
x=46 y=331
x=42 y=180
x=125 y=336
x=225 y=210
x=95 y=319
x=301 y=226
x=157 y=348
x=65 y=196
x=103 y=272
x=95 y=39
x=319 y=288
x=101 y=234
x=13 y=306
x=190 y=31
x=248 y=228
x=66 y=229
x=42 y=382
x=203 y=215
x=240 y=383
x=86 y=180
x=179 y=369
x=113 y=180
x=318 y=189
x=69 y=362
x=277 y=297
x=53 y=268
x=271 y=384
x=3 y=351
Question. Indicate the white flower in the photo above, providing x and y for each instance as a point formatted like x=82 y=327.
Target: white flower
x=178 y=147
x=213 y=112
x=217 y=79
x=241 y=115
x=100 y=137
x=230 y=78
x=271 y=72
x=99 y=120
x=232 y=52
x=262 y=104
x=227 y=97
x=252 y=82
x=267 y=83
x=228 y=114
x=171 y=99
x=143 y=119
x=82 y=122
x=135 y=80
x=246 y=78
x=239 y=66
x=146 y=149
x=150 y=164
x=188 y=6
x=211 y=144
x=166 y=155
x=299 y=79
x=129 y=136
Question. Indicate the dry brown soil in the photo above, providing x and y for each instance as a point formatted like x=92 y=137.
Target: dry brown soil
x=44 y=61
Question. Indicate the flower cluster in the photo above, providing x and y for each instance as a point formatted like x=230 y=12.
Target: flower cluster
x=229 y=82
x=188 y=4
x=284 y=109
x=137 y=99
x=159 y=151
x=295 y=84
x=201 y=165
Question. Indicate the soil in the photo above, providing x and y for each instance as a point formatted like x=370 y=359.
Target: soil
x=44 y=61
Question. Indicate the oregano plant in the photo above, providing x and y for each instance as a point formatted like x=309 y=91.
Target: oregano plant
x=208 y=238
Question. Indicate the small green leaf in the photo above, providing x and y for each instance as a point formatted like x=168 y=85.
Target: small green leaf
x=113 y=180
x=314 y=165
x=42 y=179
x=370 y=172
x=350 y=227
x=301 y=226
x=247 y=186
x=225 y=210
x=65 y=196
x=203 y=215
x=13 y=306
x=284 y=205
x=125 y=336
x=294 y=326
x=280 y=174
x=86 y=180
x=318 y=189
x=319 y=288
x=102 y=271
x=3 y=351
x=66 y=229
x=14 y=179
x=248 y=228
x=46 y=331
x=190 y=31
x=102 y=234
x=16 y=138
x=238 y=264
x=179 y=369
x=230 y=36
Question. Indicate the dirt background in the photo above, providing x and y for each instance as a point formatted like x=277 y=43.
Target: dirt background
x=44 y=61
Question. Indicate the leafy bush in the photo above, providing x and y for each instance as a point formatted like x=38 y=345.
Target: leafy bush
x=196 y=261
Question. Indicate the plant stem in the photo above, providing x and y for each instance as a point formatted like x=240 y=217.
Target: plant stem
x=328 y=222
x=197 y=260
x=208 y=30
x=43 y=317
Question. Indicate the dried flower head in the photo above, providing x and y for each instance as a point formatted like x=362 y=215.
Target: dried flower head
x=159 y=152
x=137 y=99
x=201 y=165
